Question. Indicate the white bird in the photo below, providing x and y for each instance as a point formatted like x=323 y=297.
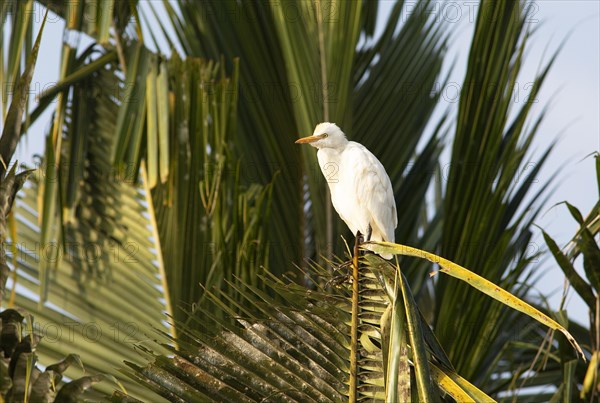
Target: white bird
x=361 y=190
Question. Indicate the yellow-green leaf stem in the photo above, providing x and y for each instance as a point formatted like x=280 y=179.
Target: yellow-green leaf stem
x=476 y=281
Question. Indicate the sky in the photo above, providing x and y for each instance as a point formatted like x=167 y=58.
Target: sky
x=572 y=94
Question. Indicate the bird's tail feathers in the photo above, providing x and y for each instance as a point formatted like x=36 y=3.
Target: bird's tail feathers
x=386 y=256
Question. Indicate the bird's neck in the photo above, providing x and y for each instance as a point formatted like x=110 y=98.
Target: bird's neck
x=330 y=153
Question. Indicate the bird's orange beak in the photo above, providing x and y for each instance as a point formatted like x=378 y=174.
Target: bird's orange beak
x=309 y=139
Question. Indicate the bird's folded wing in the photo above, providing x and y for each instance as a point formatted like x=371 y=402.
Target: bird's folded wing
x=374 y=192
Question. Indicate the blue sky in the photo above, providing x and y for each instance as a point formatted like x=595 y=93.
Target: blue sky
x=572 y=92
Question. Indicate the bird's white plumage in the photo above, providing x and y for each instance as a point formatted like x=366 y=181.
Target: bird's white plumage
x=361 y=190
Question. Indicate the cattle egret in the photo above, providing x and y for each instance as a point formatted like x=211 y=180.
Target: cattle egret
x=361 y=190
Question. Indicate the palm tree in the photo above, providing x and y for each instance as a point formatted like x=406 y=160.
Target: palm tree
x=168 y=180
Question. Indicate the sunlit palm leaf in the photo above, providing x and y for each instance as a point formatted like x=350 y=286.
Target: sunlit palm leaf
x=10 y=180
x=95 y=18
x=84 y=315
x=103 y=241
x=19 y=15
x=477 y=282
x=93 y=207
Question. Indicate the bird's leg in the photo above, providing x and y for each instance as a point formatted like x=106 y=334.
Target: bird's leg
x=369 y=233
x=357 y=241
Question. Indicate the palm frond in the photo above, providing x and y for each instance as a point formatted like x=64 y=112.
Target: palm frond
x=485 y=213
x=10 y=180
x=341 y=75
x=84 y=312
x=290 y=343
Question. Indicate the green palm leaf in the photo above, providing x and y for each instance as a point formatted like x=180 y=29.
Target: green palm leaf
x=303 y=83
x=486 y=218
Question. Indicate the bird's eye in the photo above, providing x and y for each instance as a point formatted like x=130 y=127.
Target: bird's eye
x=325 y=135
